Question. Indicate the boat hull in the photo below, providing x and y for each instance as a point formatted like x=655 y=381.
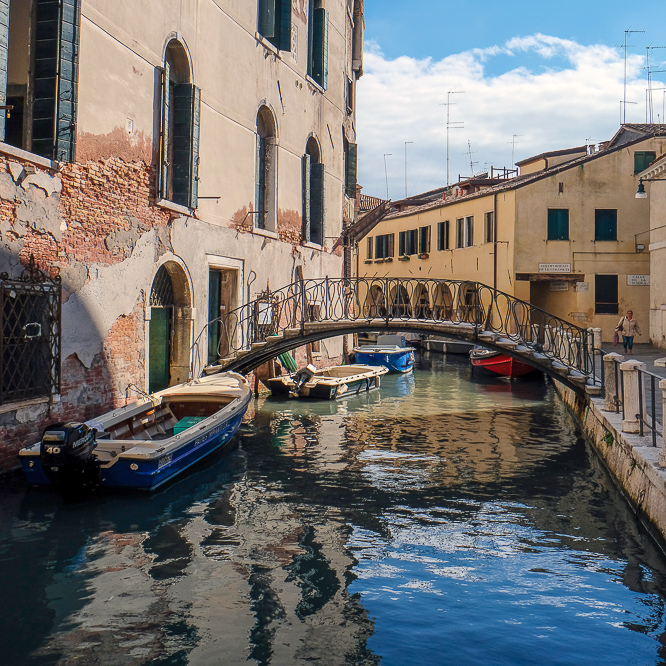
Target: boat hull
x=500 y=364
x=147 y=469
x=401 y=360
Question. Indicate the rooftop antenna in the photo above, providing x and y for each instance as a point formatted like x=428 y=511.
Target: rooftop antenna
x=628 y=31
x=623 y=105
x=470 y=153
x=649 y=108
x=513 y=148
x=449 y=125
x=406 y=142
x=386 y=174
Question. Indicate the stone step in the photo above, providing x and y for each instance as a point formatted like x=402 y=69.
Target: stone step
x=487 y=336
x=257 y=345
x=291 y=332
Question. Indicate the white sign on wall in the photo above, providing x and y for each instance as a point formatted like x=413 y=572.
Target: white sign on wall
x=582 y=286
x=554 y=268
x=638 y=280
x=559 y=286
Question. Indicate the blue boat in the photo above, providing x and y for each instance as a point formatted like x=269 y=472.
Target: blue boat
x=144 y=444
x=391 y=351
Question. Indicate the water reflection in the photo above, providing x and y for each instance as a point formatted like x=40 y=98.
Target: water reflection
x=394 y=526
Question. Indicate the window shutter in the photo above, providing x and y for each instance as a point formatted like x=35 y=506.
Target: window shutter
x=391 y=239
x=284 y=27
x=350 y=170
x=260 y=183
x=267 y=23
x=166 y=112
x=56 y=79
x=306 y=198
x=317 y=208
x=196 y=125
x=401 y=243
x=320 y=47
x=185 y=108
x=4 y=53
x=369 y=248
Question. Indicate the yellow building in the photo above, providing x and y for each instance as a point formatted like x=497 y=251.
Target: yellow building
x=567 y=234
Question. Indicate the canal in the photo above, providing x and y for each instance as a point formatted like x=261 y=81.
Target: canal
x=449 y=518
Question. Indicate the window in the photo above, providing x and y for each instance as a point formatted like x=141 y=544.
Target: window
x=30 y=344
x=265 y=167
x=558 y=224
x=407 y=242
x=489 y=226
x=318 y=43
x=349 y=96
x=181 y=103
x=313 y=194
x=424 y=240
x=384 y=246
x=369 y=248
x=605 y=224
x=443 y=235
x=465 y=231
x=643 y=159
x=605 y=294
x=44 y=92
x=274 y=23
x=350 y=169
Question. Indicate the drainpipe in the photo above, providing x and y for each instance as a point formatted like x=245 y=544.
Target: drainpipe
x=495 y=241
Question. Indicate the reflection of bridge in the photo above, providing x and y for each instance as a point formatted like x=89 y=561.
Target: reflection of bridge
x=312 y=310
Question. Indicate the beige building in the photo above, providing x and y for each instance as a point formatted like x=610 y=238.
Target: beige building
x=164 y=162
x=567 y=234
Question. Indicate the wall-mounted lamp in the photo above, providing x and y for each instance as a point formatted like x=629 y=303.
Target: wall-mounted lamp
x=640 y=247
x=640 y=192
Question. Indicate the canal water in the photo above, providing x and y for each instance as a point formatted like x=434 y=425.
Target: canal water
x=449 y=518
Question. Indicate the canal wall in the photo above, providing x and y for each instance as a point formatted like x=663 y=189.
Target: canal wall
x=630 y=459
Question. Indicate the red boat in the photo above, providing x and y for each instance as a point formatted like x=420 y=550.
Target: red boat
x=499 y=363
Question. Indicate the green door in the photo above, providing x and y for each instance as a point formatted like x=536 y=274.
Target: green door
x=214 y=302
x=160 y=348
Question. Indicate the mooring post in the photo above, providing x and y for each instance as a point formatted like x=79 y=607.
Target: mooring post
x=595 y=342
x=611 y=381
x=662 y=453
x=632 y=407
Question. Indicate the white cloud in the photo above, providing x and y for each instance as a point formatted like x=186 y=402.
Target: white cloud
x=553 y=93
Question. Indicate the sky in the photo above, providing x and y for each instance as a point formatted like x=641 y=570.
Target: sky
x=525 y=78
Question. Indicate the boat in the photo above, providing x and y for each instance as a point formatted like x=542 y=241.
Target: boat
x=391 y=351
x=144 y=444
x=498 y=362
x=448 y=346
x=339 y=381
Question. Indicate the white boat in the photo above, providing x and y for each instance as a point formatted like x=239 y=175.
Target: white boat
x=144 y=444
x=328 y=383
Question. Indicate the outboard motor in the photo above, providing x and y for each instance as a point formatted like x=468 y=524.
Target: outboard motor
x=301 y=378
x=66 y=454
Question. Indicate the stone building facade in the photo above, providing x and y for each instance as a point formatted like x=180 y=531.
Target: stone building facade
x=164 y=162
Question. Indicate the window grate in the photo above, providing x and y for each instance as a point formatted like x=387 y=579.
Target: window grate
x=161 y=295
x=30 y=307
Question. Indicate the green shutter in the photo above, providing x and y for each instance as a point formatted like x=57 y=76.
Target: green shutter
x=166 y=113
x=214 y=292
x=284 y=36
x=350 y=170
x=605 y=224
x=317 y=199
x=159 y=334
x=558 y=224
x=185 y=119
x=196 y=125
x=643 y=159
x=401 y=243
x=57 y=27
x=4 y=53
x=305 y=163
x=320 y=47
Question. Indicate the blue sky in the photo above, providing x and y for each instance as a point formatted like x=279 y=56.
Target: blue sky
x=536 y=76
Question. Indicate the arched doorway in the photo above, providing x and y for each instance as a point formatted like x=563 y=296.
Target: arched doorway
x=170 y=328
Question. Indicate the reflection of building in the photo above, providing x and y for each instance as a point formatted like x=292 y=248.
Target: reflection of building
x=167 y=170
x=567 y=234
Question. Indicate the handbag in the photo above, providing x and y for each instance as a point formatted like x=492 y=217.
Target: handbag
x=616 y=338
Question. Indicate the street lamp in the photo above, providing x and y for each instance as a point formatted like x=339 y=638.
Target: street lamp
x=640 y=192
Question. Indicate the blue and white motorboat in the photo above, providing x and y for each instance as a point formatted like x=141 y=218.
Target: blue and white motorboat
x=144 y=444
x=390 y=351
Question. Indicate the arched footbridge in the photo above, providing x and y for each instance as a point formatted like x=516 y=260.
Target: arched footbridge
x=311 y=310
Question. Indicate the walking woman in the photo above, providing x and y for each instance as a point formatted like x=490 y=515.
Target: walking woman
x=628 y=327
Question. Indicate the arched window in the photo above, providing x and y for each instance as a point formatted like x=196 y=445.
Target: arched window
x=313 y=194
x=266 y=170
x=181 y=102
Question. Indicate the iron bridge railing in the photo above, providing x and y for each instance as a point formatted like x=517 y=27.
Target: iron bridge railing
x=378 y=302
